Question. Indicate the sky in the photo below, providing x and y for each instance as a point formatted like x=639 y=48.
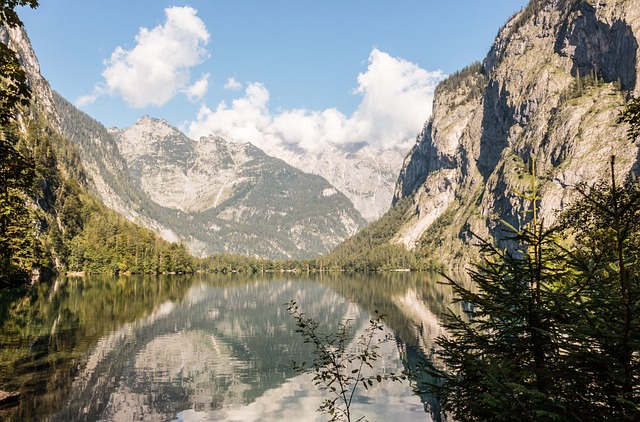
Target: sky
x=291 y=71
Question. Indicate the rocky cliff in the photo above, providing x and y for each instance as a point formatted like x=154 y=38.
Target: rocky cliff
x=550 y=91
x=216 y=196
x=16 y=39
x=365 y=174
x=223 y=196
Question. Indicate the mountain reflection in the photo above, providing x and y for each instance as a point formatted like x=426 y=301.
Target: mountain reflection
x=201 y=348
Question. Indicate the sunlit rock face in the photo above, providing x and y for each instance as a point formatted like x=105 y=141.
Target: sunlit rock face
x=235 y=197
x=215 y=195
x=365 y=174
x=549 y=91
x=178 y=172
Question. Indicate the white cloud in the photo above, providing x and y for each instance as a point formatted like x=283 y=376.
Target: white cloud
x=247 y=119
x=233 y=85
x=396 y=95
x=158 y=67
x=198 y=90
x=86 y=100
x=397 y=98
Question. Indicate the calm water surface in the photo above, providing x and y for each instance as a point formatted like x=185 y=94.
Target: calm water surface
x=203 y=348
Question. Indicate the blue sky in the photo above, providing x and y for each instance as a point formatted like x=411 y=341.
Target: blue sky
x=248 y=68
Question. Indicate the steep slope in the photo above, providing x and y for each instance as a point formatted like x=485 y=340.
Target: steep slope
x=52 y=221
x=551 y=89
x=234 y=197
x=365 y=174
x=266 y=208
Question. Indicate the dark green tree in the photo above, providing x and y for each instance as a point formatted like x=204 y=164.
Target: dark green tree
x=14 y=88
x=631 y=116
x=17 y=242
x=553 y=331
x=501 y=363
x=605 y=223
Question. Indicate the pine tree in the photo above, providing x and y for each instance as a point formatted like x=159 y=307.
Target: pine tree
x=606 y=348
x=500 y=364
x=17 y=243
x=554 y=330
x=631 y=116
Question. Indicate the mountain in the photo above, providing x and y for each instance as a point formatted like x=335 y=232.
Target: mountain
x=236 y=199
x=365 y=174
x=215 y=195
x=233 y=197
x=49 y=219
x=549 y=91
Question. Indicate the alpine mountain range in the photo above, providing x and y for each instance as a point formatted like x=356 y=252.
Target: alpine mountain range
x=549 y=91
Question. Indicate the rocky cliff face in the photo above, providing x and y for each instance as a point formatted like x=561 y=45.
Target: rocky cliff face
x=215 y=195
x=17 y=40
x=365 y=174
x=230 y=197
x=550 y=89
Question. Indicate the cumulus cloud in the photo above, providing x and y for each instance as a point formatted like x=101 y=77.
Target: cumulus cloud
x=158 y=66
x=198 y=90
x=87 y=99
x=233 y=85
x=396 y=100
x=246 y=119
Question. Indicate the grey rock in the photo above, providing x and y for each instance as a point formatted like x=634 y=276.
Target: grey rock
x=555 y=81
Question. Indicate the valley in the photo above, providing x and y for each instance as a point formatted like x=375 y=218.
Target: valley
x=144 y=274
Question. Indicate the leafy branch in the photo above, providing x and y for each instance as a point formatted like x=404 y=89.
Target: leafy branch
x=336 y=367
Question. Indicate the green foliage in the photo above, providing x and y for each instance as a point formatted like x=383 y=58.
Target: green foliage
x=8 y=13
x=631 y=116
x=371 y=249
x=17 y=220
x=606 y=226
x=228 y=263
x=553 y=331
x=472 y=78
x=502 y=363
x=110 y=244
x=14 y=88
x=18 y=247
x=583 y=83
x=336 y=368
x=432 y=239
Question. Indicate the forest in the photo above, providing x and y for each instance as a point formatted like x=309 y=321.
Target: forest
x=49 y=221
x=553 y=328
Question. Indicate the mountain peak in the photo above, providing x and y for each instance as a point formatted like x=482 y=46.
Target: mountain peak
x=234 y=193
x=150 y=125
x=146 y=119
x=150 y=136
x=551 y=88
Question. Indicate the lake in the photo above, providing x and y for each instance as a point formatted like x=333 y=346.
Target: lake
x=205 y=347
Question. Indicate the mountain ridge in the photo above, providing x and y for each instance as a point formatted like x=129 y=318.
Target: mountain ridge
x=275 y=212
x=364 y=173
x=234 y=194
x=550 y=91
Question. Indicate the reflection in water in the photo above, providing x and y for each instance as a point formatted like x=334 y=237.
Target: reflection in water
x=201 y=348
